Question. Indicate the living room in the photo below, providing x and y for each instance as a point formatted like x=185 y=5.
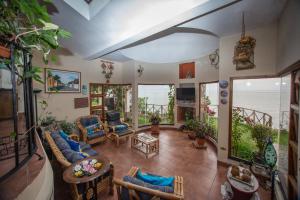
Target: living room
x=202 y=93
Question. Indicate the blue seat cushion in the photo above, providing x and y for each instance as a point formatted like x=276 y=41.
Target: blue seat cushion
x=61 y=143
x=96 y=135
x=90 y=152
x=72 y=156
x=155 y=179
x=121 y=128
x=143 y=196
x=84 y=145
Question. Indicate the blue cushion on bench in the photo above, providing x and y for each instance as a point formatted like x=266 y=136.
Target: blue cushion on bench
x=139 y=182
x=59 y=141
x=72 y=156
x=155 y=179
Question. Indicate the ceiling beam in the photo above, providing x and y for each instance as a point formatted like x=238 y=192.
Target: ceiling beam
x=197 y=12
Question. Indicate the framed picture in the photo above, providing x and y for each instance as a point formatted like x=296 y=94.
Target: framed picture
x=62 y=81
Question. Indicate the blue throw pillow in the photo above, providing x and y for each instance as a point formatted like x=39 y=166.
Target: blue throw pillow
x=92 y=128
x=63 y=135
x=75 y=146
x=155 y=180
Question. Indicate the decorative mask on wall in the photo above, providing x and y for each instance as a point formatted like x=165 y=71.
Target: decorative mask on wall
x=140 y=70
x=214 y=59
x=107 y=69
x=244 y=51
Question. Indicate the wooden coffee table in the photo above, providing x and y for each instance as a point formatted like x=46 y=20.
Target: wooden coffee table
x=145 y=143
x=89 y=182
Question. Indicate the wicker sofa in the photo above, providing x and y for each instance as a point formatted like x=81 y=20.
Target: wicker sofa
x=127 y=190
x=103 y=184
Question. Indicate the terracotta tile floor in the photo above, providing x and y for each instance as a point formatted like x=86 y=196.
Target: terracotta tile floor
x=202 y=176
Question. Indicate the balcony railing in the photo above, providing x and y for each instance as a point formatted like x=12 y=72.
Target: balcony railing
x=162 y=110
x=253 y=116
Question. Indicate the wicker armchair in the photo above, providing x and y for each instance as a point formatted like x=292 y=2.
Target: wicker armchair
x=102 y=185
x=112 y=122
x=85 y=121
x=135 y=189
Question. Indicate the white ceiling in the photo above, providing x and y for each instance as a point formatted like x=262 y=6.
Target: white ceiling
x=119 y=21
x=173 y=48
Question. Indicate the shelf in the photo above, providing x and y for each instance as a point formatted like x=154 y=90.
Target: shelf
x=96 y=107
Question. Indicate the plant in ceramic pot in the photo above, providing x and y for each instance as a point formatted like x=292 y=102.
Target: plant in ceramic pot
x=155 y=121
x=200 y=132
x=189 y=127
x=27 y=24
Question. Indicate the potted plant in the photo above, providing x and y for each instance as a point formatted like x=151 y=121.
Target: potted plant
x=200 y=132
x=67 y=127
x=155 y=120
x=27 y=24
x=189 y=127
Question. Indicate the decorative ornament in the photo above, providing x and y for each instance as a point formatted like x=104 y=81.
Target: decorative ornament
x=223 y=84
x=224 y=93
x=107 y=69
x=270 y=155
x=244 y=51
x=140 y=70
x=214 y=58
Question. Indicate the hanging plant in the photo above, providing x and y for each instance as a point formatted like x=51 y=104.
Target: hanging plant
x=28 y=25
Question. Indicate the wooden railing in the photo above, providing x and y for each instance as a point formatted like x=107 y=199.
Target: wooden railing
x=162 y=110
x=254 y=116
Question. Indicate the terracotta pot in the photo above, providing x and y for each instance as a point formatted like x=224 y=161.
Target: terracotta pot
x=192 y=135
x=200 y=141
x=4 y=52
x=155 y=129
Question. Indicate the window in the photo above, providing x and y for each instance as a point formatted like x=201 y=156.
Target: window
x=158 y=99
x=119 y=98
x=209 y=103
x=256 y=106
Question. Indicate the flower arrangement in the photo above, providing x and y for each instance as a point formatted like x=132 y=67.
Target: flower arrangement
x=87 y=168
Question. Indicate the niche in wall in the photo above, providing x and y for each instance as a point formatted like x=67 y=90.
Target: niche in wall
x=187 y=70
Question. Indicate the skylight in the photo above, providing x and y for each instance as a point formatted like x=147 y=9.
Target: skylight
x=87 y=8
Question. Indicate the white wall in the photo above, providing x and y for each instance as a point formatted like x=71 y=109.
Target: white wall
x=265 y=61
x=289 y=35
x=62 y=104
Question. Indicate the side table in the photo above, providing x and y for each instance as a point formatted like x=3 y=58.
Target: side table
x=89 y=182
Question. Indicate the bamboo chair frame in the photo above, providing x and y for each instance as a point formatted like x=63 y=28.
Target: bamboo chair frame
x=102 y=185
x=84 y=132
x=133 y=189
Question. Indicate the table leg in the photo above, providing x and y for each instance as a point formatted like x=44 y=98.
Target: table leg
x=84 y=193
x=95 y=195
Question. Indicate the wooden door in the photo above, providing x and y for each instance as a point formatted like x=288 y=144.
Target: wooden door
x=293 y=148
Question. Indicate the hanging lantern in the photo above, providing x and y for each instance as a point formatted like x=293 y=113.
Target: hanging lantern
x=244 y=51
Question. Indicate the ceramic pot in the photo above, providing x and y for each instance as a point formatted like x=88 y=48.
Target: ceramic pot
x=4 y=52
x=155 y=129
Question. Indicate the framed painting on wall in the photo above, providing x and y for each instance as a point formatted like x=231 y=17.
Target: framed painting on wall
x=62 y=81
